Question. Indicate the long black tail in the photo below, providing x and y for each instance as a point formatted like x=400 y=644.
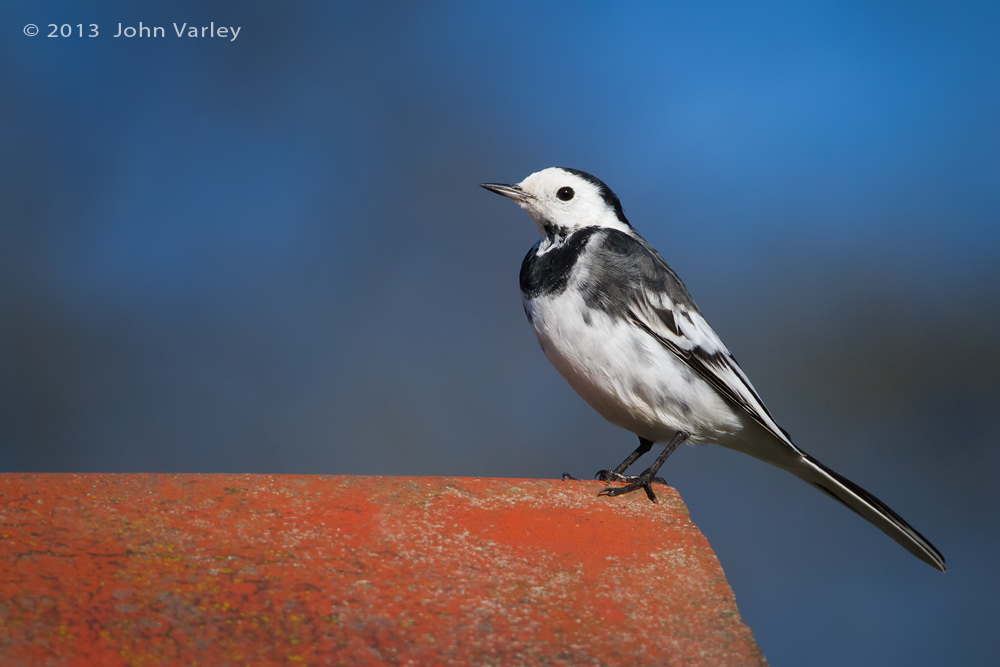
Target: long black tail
x=867 y=505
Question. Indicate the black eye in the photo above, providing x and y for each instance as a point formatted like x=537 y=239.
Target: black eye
x=565 y=193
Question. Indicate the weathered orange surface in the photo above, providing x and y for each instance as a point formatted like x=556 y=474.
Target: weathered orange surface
x=286 y=569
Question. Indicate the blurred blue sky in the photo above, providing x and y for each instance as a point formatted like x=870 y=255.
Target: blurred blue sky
x=272 y=255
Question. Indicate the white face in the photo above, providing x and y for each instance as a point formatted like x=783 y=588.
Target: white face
x=560 y=200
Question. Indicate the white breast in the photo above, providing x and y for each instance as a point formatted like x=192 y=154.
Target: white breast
x=626 y=375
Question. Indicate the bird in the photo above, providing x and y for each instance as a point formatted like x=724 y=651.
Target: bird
x=622 y=329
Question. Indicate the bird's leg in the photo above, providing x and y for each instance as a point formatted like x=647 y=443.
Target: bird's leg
x=616 y=474
x=647 y=476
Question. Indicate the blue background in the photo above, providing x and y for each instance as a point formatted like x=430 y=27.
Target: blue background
x=272 y=255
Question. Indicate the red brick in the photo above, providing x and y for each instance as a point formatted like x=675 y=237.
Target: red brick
x=305 y=569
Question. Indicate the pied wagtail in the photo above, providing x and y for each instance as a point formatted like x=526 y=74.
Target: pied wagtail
x=621 y=328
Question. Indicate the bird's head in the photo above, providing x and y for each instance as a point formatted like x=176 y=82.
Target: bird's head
x=562 y=201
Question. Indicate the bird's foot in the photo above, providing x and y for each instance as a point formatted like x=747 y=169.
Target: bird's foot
x=643 y=481
x=612 y=476
x=568 y=477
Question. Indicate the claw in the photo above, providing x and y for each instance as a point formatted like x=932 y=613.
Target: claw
x=649 y=493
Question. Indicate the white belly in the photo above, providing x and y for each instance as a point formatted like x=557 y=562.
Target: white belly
x=629 y=377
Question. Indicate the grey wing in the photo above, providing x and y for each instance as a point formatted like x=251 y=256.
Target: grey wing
x=659 y=303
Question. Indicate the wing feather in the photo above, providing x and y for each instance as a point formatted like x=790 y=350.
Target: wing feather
x=659 y=303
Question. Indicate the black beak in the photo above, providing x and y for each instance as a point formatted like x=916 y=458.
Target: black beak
x=511 y=191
